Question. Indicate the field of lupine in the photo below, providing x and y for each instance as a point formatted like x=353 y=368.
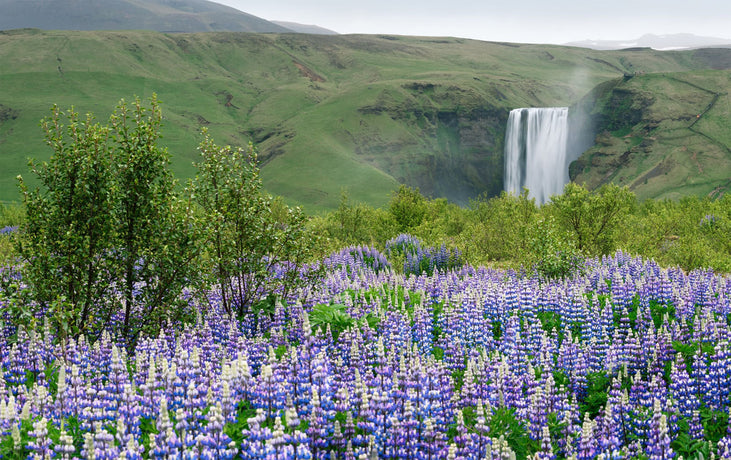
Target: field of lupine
x=623 y=360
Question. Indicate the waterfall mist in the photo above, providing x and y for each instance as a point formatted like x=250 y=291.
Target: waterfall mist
x=536 y=152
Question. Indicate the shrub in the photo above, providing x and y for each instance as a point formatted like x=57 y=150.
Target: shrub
x=250 y=236
x=592 y=218
x=552 y=254
x=408 y=208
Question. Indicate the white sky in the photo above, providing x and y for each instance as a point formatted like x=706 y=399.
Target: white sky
x=526 y=21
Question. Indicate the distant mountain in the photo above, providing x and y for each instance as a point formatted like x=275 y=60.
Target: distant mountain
x=158 y=15
x=305 y=28
x=658 y=42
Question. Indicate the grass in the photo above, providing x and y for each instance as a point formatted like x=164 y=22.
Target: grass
x=327 y=113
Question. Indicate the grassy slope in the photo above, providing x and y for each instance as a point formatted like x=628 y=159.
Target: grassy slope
x=679 y=145
x=308 y=102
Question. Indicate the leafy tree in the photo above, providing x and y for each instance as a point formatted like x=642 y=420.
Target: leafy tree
x=408 y=208
x=592 y=218
x=156 y=244
x=355 y=223
x=500 y=227
x=107 y=221
x=69 y=230
x=250 y=236
x=551 y=253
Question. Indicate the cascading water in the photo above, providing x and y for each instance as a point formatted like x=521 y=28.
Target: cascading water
x=535 y=152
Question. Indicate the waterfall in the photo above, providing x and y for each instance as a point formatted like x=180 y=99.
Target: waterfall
x=535 y=152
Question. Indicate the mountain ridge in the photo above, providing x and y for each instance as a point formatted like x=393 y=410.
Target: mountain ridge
x=158 y=15
x=305 y=28
x=656 y=42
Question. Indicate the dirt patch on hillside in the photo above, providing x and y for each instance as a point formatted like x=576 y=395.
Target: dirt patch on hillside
x=662 y=168
x=307 y=72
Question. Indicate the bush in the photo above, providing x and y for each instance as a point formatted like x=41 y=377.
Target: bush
x=552 y=254
x=408 y=208
x=10 y=219
x=592 y=219
x=499 y=228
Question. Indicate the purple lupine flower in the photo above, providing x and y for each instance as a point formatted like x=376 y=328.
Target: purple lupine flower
x=658 y=447
x=216 y=443
x=588 y=448
x=104 y=448
x=40 y=444
x=546 y=452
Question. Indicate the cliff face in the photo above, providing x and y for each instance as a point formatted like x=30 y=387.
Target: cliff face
x=436 y=142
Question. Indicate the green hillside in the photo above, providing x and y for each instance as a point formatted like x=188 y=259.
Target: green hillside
x=664 y=135
x=328 y=113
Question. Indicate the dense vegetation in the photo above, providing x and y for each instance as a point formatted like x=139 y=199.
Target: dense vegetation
x=145 y=320
x=510 y=232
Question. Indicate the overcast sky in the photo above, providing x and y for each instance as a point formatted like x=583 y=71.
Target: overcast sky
x=528 y=21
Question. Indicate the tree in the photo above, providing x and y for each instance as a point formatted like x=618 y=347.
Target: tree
x=156 y=244
x=500 y=227
x=107 y=221
x=250 y=236
x=69 y=226
x=408 y=207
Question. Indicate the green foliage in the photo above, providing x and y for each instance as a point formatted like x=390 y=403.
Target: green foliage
x=11 y=216
x=692 y=233
x=715 y=424
x=552 y=254
x=408 y=208
x=592 y=218
x=504 y=423
x=234 y=430
x=334 y=315
x=13 y=448
x=596 y=394
x=70 y=225
x=156 y=244
x=106 y=218
x=354 y=223
x=512 y=231
x=247 y=232
x=498 y=228
x=549 y=320
x=659 y=310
